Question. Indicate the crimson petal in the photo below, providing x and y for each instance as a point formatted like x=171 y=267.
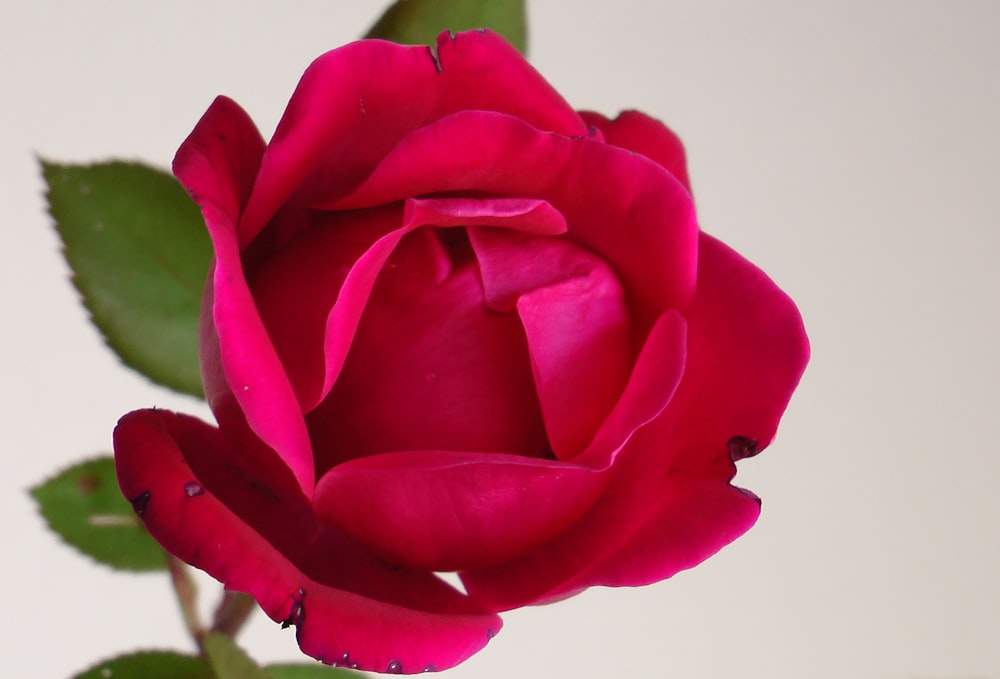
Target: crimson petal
x=457 y=510
x=746 y=352
x=345 y=114
x=210 y=165
x=638 y=132
x=348 y=607
x=576 y=322
x=447 y=510
x=623 y=206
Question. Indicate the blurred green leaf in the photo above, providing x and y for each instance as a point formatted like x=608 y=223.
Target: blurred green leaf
x=290 y=671
x=418 y=22
x=139 y=252
x=84 y=506
x=228 y=660
x=150 y=665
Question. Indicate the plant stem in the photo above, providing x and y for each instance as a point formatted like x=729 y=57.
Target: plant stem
x=187 y=597
x=233 y=612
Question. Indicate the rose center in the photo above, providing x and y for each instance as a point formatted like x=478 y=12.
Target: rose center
x=430 y=367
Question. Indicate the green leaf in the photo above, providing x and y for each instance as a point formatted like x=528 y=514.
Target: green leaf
x=228 y=660
x=290 y=671
x=418 y=22
x=139 y=252
x=84 y=506
x=150 y=665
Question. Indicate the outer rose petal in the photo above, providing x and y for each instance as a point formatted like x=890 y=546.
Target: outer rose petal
x=638 y=132
x=746 y=352
x=620 y=205
x=346 y=113
x=446 y=509
x=210 y=165
x=189 y=488
x=218 y=162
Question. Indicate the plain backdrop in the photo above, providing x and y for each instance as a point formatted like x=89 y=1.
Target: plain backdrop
x=850 y=149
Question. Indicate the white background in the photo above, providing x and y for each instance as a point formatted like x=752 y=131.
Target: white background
x=850 y=149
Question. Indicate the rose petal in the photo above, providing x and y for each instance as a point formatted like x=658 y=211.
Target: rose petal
x=688 y=519
x=746 y=352
x=210 y=165
x=446 y=510
x=457 y=510
x=622 y=206
x=346 y=115
x=218 y=162
x=348 y=607
x=430 y=368
x=638 y=132
x=517 y=214
x=576 y=322
x=655 y=377
x=312 y=291
x=528 y=215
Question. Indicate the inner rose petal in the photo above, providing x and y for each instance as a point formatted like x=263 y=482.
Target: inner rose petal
x=312 y=292
x=430 y=366
x=574 y=315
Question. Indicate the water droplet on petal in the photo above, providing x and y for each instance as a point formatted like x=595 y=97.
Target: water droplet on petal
x=741 y=447
x=140 y=502
x=430 y=668
x=191 y=488
x=344 y=660
x=395 y=667
x=490 y=633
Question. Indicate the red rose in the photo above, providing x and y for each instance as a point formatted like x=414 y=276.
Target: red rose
x=454 y=325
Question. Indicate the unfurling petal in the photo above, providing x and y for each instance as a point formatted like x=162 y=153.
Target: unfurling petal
x=348 y=607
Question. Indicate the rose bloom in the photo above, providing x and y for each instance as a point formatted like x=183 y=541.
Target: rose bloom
x=453 y=325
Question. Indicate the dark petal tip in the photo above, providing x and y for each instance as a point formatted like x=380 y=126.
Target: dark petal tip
x=297 y=613
x=742 y=447
x=140 y=503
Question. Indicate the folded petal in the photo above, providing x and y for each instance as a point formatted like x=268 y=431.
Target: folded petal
x=654 y=380
x=215 y=164
x=518 y=214
x=746 y=351
x=346 y=112
x=469 y=511
x=430 y=367
x=576 y=322
x=348 y=607
x=311 y=293
x=622 y=206
x=638 y=132
x=218 y=162
x=447 y=510
x=342 y=321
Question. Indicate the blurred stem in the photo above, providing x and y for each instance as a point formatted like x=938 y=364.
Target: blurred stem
x=233 y=612
x=187 y=597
